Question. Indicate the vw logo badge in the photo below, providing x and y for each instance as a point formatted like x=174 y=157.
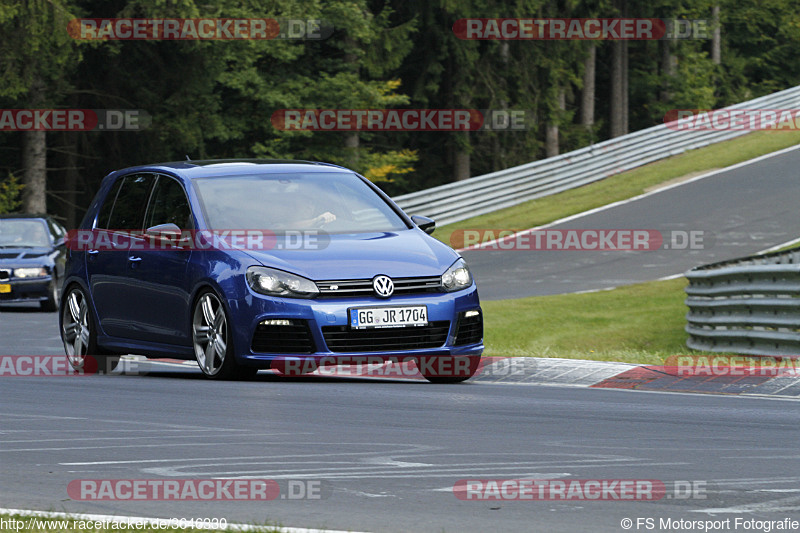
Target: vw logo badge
x=383 y=286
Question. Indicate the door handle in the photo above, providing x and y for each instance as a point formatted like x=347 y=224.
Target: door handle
x=134 y=259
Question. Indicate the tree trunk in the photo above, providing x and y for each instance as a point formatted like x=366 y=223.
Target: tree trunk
x=351 y=139
x=351 y=143
x=716 y=37
x=625 y=92
x=669 y=69
x=619 y=81
x=461 y=159
x=618 y=127
x=587 y=94
x=34 y=174
x=71 y=181
x=551 y=135
x=34 y=160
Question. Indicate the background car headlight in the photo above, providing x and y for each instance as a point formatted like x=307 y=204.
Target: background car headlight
x=457 y=277
x=279 y=283
x=37 y=272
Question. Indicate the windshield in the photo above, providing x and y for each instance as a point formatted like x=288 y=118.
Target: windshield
x=331 y=202
x=23 y=233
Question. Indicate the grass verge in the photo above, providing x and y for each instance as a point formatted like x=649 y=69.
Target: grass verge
x=640 y=323
x=627 y=184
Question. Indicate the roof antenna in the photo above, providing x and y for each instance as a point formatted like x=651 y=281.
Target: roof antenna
x=187 y=158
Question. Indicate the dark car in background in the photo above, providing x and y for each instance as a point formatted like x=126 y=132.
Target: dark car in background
x=32 y=257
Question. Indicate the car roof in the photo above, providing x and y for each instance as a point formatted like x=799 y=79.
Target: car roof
x=232 y=167
x=25 y=215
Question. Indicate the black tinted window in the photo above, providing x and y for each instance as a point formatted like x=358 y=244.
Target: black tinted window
x=128 y=211
x=108 y=205
x=169 y=205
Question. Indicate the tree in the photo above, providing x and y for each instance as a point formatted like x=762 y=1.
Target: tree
x=38 y=57
x=10 y=189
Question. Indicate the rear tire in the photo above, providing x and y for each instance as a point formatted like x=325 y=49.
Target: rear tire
x=79 y=335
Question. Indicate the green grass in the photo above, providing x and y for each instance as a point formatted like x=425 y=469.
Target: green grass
x=640 y=323
x=627 y=184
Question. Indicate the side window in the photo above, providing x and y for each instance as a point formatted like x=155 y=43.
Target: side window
x=128 y=211
x=169 y=205
x=108 y=205
x=55 y=231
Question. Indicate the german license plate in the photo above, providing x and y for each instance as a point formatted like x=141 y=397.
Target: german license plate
x=5 y=288
x=388 y=317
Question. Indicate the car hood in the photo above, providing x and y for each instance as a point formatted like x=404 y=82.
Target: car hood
x=23 y=256
x=409 y=253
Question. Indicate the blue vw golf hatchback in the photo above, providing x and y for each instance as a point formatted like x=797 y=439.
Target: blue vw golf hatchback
x=247 y=265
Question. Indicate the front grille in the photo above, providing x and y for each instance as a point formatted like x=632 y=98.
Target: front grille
x=292 y=338
x=9 y=256
x=4 y=273
x=344 y=339
x=469 y=330
x=350 y=288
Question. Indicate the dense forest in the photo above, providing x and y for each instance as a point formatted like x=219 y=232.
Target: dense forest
x=216 y=98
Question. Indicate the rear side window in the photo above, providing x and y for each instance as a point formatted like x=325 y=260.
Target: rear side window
x=128 y=210
x=108 y=205
x=169 y=205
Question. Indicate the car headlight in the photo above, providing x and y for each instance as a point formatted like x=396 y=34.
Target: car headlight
x=279 y=283
x=37 y=272
x=457 y=277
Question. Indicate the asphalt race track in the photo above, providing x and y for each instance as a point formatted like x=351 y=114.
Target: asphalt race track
x=387 y=454
x=740 y=212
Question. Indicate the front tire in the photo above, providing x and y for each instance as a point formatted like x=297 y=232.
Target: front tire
x=212 y=340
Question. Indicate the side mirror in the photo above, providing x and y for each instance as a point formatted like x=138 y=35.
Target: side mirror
x=424 y=223
x=164 y=230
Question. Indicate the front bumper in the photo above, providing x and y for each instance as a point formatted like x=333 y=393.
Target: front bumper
x=25 y=290
x=320 y=332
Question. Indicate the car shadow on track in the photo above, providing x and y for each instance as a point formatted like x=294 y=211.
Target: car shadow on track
x=144 y=369
x=23 y=308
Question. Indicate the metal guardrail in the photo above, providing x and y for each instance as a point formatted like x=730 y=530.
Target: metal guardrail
x=747 y=306
x=483 y=194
